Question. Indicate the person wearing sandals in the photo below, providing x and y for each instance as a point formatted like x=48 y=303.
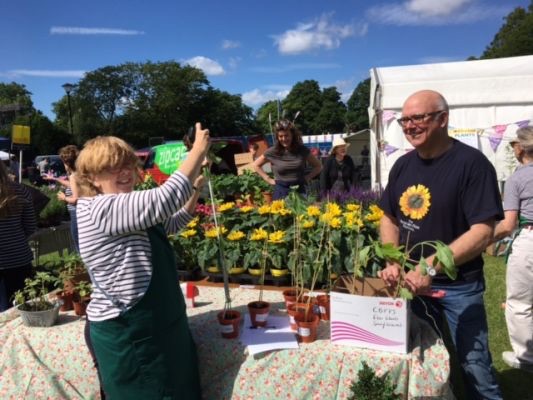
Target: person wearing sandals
x=518 y=208
x=138 y=324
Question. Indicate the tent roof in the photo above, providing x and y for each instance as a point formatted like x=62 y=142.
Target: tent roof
x=4 y=155
x=465 y=83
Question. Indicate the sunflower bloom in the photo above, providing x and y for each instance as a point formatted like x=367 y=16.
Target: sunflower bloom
x=264 y=209
x=193 y=223
x=353 y=207
x=246 y=209
x=226 y=206
x=335 y=222
x=235 y=235
x=333 y=209
x=308 y=224
x=313 y=211
x=415 y=201
x=214 y=232
x=259 y=234
x=188 y=233
x=276 y=237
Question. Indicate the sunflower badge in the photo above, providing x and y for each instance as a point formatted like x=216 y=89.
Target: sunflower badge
x=415 y=201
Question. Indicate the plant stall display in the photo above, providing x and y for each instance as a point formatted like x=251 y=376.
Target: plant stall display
x=32 y=301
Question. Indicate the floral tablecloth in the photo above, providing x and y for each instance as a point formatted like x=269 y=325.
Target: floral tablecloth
x=42 y=363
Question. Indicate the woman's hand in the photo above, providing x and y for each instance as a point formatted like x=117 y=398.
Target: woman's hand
x=199 y=182
x=202 y=139
x=61 y=196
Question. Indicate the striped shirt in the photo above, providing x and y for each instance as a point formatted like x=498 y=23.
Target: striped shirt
x=15 y=230
x=114 y=244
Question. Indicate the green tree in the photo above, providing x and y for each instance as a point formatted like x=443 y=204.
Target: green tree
x=331 y=115
x=515 y=37
x=305 y=97
x=357 y=111
x=267 y=114
x=15 y=102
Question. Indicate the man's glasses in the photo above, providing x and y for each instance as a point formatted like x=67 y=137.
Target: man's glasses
x=417 y=119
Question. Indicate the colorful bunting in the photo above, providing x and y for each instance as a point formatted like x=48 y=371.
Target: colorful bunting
x=387 y=115
x=388 y=149
x=496 y=136
x=522 y=124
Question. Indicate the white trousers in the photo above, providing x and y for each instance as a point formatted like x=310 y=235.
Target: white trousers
x=518 y=310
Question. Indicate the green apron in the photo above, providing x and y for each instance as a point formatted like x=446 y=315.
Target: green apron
x=148 y=352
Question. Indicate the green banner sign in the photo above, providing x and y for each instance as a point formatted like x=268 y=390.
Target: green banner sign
x=168 y=157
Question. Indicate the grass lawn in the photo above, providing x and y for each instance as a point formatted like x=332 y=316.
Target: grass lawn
x=515 y=384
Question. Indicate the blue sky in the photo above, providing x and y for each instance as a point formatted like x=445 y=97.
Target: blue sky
x=256 y=49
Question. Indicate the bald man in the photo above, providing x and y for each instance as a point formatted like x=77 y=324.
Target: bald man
x=461 y=210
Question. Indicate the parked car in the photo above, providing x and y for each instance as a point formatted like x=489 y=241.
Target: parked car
x=164 y=159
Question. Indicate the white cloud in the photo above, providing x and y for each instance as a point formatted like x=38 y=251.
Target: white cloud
x=233 y=62
x=321 y=33
x=75 y=30
x=257 y=97
x=209 y=66
x=295 y=67
x=47 y=73
x=431 y=12
x=230 y=44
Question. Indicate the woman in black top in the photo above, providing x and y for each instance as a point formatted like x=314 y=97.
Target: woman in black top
x=339 y=172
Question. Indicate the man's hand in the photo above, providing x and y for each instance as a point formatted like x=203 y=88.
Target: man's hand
x=417 y=283
x=390 y=274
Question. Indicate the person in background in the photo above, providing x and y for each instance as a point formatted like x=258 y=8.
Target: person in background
x=17 y=223
x=14 y=167
x=518 y=207
x=364 y=155
x=444 y=190
x=43 y=165
x=253 y=149
x=68 y=155
x=137 y=312
x=288 y=158
x=339 y=172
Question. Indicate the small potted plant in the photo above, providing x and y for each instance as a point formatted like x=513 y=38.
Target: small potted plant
x=82 y=296
x=32 y=301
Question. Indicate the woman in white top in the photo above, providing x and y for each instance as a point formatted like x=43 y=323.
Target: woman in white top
x=138 y=324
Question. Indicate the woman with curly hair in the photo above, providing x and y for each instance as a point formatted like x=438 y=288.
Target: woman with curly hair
x=17 y=223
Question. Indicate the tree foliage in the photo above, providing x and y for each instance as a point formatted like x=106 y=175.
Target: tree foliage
x=267 y=115
x=331 y=115
x=137 y=101
x=306 y=98
x=357 y=110
x=515 y=37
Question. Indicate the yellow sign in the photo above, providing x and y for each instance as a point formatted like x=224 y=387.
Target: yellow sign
x=20 y=134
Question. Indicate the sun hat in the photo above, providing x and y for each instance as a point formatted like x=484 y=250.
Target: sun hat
x=523 y=136
x=338 y=141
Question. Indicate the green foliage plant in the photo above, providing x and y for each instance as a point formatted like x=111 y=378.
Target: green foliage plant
x=54 y=210
x=369 y=386
x=34 y=295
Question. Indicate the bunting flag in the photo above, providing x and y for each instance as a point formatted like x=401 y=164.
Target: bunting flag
x=387 y=115
x=388 y=149
x=496 y=136
x=522 y=124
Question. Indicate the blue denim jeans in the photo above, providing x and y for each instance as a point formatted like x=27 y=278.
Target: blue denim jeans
x=465 y=314
x=74 y=229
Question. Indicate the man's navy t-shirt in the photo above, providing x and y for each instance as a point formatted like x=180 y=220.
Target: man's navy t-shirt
x=464 y=191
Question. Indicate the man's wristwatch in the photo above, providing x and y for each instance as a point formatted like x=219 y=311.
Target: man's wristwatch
x=431 y=270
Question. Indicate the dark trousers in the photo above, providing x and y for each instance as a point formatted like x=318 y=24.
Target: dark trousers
x=11 y=280
x=87 y=334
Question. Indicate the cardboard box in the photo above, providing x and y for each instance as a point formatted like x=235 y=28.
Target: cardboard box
x=243 y=162
x=369 y=319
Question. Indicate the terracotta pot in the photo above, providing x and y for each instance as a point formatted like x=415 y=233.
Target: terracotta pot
x=66 y=299
x=267 y=197
x=323 y=305
x=80 y=305
x=229 y=322
x=307 y=327
x=258 y=312
x=298 y=309
x=290 y=297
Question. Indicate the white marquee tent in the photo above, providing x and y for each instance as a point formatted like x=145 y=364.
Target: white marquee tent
x=489 y=100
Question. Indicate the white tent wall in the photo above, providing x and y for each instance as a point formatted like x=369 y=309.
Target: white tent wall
x=487 y=99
